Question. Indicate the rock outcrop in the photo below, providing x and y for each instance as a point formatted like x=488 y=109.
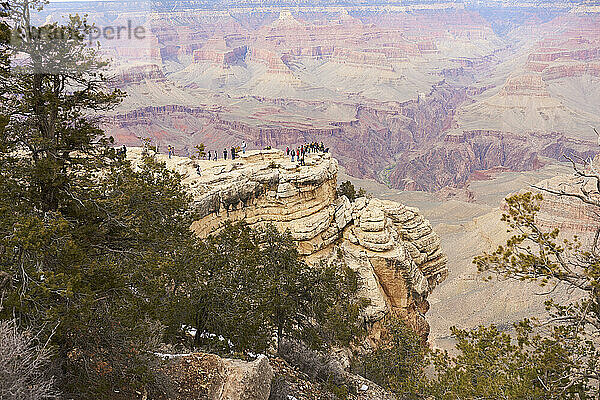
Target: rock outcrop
x=210 y=377
x=292 y=382
x=569 y=214
x=392 y=247
x=205 y=376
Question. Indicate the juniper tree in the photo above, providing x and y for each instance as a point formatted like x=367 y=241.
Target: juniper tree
x=557 y=359
x=254 y=289
x=347 y=189
x=539 y=254
x=89 y=244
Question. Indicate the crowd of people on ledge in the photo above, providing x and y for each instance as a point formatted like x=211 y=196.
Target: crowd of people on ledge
x=299 y=152
x=296 y=154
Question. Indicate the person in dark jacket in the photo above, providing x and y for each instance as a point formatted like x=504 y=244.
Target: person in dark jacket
x=224 y=154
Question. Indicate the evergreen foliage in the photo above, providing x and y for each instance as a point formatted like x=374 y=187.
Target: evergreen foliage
x=254 y=289
x=493 y=365
x=536 y=254
x=97 y=255
x=347 y=189
x=398 y=363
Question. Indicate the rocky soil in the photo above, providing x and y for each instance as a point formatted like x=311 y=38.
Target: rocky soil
x=204 y=376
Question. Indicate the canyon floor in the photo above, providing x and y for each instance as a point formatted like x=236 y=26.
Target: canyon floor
x=466 y=229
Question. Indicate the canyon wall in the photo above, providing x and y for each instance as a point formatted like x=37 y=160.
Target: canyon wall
x=419 y=100
x=567 y=213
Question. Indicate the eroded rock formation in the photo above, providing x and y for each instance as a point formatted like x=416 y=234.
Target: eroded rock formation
x=391 y=246
x=569 y=214
x=448 y=87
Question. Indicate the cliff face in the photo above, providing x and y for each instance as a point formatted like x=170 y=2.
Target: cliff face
x=570 y=215
x=391 y=246
x=456 y=158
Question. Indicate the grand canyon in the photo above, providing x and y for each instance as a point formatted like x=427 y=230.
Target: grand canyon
x=430 y=97
x=438 y=109
x=418 y=97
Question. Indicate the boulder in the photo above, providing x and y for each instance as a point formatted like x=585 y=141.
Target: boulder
x=210 y=377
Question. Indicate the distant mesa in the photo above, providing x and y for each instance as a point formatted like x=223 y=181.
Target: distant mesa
x=286 y=21
x=217 y=51
x=271 y=59
x=525 y=85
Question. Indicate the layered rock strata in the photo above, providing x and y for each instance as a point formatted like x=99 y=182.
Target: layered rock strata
x=567 y=213
x=391 y=246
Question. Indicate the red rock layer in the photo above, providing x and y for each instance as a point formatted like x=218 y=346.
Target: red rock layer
x=569 y=46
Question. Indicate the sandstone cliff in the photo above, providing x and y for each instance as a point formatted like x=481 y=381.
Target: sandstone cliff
x=391 y=246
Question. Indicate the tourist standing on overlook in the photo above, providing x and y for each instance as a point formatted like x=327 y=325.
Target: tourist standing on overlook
x=224 y=154
x=244 y=147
